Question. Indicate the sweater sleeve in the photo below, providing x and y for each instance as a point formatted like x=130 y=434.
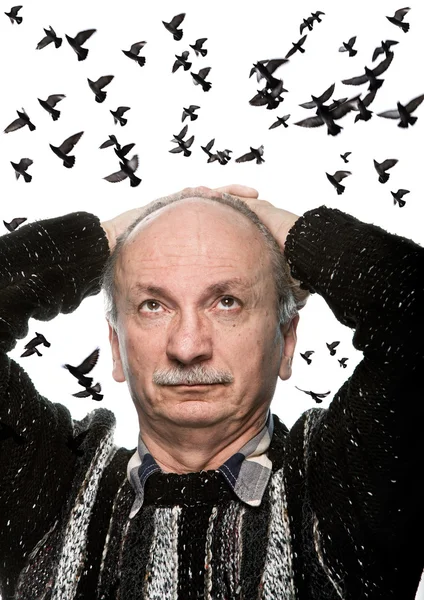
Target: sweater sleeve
x=364 y=453
x=46 y=267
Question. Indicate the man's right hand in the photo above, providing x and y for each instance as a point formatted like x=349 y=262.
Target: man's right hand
x=116 y=226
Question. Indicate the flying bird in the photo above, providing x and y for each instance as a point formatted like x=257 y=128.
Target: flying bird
x=328 y=114
x=85 y=367
x=127 y=169
x=337 y=178
x=198 y=47
x=397 y=197
x=92 y=391
x=397 y=19
x=181 y=61
x=112 y=141
x=97 y=86
x=297 y=47
x=280 y=121
x=404 y=112
x=348 y=46
x=49 y=38
x=134 y=51
x=21 y=167
x=265 y=69
x=32 y=344
x=200 y=78
x=332 y=347
x=371 y=75
x=121 y=153
x=306 y=356
x=362 y=107
x=173 y=25
x=345 y=155
x=316 y=397
x=255 y=153
x=20 y=122
x=319 y=100
x=118 y=115
x=307 y=23
x=63 y=150
x=271 y=99
x=77 y=42
x=383 y=49
x=183 y=145
x=381 y=168
x=207 y=149
x=189 y=112
x=50 y=103
x=316 y=15
x=14 y=223
x=223 y=156
x=13 y=15
x=342 y=362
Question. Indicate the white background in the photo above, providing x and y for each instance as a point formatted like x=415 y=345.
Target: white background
x=296 y=159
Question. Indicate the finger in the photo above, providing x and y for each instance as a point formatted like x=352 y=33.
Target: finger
x=236 y=189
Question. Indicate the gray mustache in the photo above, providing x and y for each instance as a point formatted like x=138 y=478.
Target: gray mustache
x=194 y=376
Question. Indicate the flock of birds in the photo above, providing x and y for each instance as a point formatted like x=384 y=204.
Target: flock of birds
x=270 y=96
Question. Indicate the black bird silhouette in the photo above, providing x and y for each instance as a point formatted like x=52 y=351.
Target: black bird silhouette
x=316 y=397
x=178 y=137
x=181 y=61
x=122 y=152
x=21 y=167
x=50 y=103
x=13 y=15
x=337 y=178
x=345 y=155
x=134 y=51
x=397 y=19
x=381 y=168
x=397 y=197
x=31 y=346
x=307 y=23
x=371 y=75
x=97 y=86
x=189 y=112
x=117 y=115
x=280 y=121
x=183 y=146
x=316 y=15
x=112 y=141
x=319 y=100
x=20 y=122
x=77 y=42
x=306 y=356
x=197 y=47
x=271 y=99
x=223 y=156
x=364 y=113
x=328 y=114
x=383 y=49
x=404 y=112
x=255 y=153
x=342 y=361
x=63 y=150
x=265 y=68
x=90 y=391
x=173 y=25
x=200 y=78
x=85 y=367
x=49 y=38
x=348 y=46
x=297 y=47
x=332 y=347
x=127 y=169
x=14 y=223
x=207 y=149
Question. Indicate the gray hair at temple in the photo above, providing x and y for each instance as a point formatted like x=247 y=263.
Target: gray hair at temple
x=290 y=298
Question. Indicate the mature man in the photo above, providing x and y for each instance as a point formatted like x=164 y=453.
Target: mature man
x=219 y=500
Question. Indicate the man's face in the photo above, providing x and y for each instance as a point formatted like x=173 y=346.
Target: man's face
x=223 y=338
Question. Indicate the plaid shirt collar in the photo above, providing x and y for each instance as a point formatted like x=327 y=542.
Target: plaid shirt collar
x=247 y=472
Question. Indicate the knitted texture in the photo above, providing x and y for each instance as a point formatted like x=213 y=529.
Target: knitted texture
x=341 y=516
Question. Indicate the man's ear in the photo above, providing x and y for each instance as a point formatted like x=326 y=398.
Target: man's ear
x=117 y=371
x=290 y=339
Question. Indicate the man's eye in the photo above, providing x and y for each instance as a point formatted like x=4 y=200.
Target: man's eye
x=154 y=302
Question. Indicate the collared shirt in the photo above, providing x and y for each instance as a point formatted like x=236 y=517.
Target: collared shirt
x=247 y=472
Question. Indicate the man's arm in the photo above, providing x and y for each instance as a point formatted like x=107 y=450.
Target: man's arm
x=364 y=458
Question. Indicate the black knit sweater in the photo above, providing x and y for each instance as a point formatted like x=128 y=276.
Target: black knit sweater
x=342 y=516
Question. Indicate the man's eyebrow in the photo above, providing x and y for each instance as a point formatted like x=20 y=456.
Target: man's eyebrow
x=220 y=287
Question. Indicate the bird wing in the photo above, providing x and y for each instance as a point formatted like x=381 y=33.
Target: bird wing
x=310 y=104
x=106 y=144
x=70 y=142
x=54 y=99
x=274 y=125
x=177 y=20
x=43 y=43
x=302 y=40
x=125 y=149
x=291 y=52
x=258 y=100
x=272 y=65
x=369 y=98
x=311 y=122
x=182 y=132
x=342 y=49
x=345 y=107
x=352 y=41
x=90 y=362
x=83 y=36
x=326 y=95
x=15 y=9
x=14 y=125
x=199 y=43
x=176 y=150
x=355 y=80
x=339 y=175
x=176 y=66
x=132 y=164
x=388 y=163
x=115 y=177
x=245 y=157
x=413 y=104
x=390 y=114
x=403 y=192
x=25 y=163
x=209 y=145
x=384 y=65
x=400 y=13
x=379 y=50
x=135 y=48
x=103 y=81
x=121 y=110
x=189 y=142
x=203 y=73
